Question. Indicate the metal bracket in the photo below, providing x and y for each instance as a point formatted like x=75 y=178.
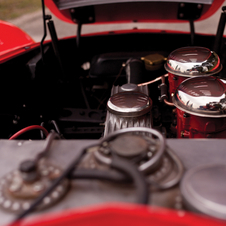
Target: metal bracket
x=83 y=15
x=189 y=11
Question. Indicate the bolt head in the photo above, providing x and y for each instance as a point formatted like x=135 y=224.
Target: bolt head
x=27 y=166
x=38 y=187
x=15 y=187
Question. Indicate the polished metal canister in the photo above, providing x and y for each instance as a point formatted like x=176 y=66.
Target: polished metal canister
x=201 y=108
x=188 y=62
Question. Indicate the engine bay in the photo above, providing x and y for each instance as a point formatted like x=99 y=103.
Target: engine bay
x=75 y=94
x=119 y=103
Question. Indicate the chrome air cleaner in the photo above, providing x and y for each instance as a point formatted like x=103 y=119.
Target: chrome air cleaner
x=190 y=62
x=129 y=106
x=201 y=108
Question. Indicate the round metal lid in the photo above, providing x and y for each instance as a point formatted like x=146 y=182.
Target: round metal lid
x=201 y=96
x=129 y=87
x=203 y=190
x=193 y=61
x=129 y=104
x=129 y=145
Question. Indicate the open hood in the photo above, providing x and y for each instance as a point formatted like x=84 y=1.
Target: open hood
x=110 y=11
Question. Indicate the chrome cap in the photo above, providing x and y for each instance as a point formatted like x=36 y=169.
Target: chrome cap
x=129 y=104
x=202 y=96
x=203 y=190
x=128 y=87
x=193 y=61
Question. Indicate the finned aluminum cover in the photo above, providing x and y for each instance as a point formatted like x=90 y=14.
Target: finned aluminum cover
x=193 y=61
x=129 y=104
x=203 y=190
x=202 y=96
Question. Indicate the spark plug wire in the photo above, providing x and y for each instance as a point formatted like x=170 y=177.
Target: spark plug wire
x=22 y=131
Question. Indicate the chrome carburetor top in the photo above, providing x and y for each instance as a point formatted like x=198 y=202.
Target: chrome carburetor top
x=202 y=96
x=193 y=61
x=129 y=103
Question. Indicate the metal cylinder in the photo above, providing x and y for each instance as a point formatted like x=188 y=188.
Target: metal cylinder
x=201 y=108
x=129 y=106
x=188 y=62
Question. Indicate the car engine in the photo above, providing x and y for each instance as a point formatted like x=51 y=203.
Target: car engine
x=114 y=107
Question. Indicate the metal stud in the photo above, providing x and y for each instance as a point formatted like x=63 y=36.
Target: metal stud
x=16 y=206
x=7 y=204
x=149 y=154
x=59 y=188
x=55 y=194
x=1 y=200
x=47 y=200
x=26 y=205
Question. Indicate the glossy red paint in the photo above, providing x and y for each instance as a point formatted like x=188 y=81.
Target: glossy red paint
x=191 y=126
x=20 y=49
x=174 y=82
x=65 y=15
x=13 y=52
x=12 y=38
x=125 y=214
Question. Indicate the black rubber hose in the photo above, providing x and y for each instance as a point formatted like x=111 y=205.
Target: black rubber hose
x=138 y=178
x=112 y=176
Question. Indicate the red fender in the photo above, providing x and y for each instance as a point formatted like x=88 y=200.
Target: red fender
x=12 y=38
x=124 y=214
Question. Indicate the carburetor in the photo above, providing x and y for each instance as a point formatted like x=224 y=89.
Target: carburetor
x=201 y=108
x=128 y=106
x=189 y=62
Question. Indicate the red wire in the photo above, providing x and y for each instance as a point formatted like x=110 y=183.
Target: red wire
x=27 y=129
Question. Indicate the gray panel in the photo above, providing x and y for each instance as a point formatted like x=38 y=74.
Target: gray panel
x=86 y=192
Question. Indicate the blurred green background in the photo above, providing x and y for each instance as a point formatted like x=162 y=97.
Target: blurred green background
x=10 y=9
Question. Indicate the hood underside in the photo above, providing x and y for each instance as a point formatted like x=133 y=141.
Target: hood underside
x=110 y=11
x=66 y=4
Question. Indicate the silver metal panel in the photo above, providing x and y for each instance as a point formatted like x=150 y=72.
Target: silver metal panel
x=192 y=152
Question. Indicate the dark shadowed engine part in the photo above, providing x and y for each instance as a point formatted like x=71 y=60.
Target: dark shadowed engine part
x=128 y=106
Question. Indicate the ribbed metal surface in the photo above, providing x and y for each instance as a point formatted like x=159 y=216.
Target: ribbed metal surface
x=115 y=122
